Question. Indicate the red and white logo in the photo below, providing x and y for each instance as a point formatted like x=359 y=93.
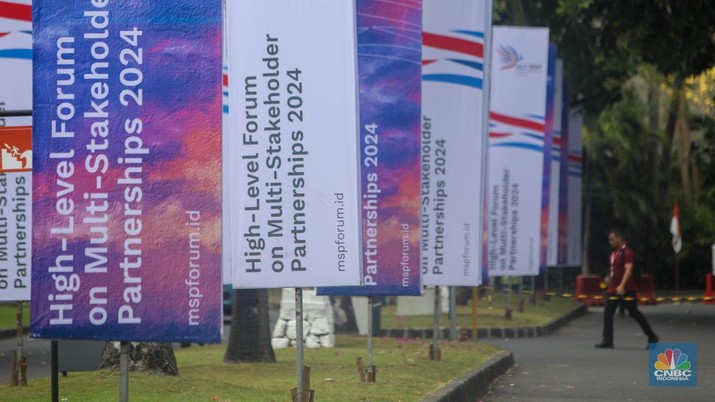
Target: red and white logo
x=15 y=149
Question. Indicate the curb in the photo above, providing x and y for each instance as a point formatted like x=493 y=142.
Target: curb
x=513 y=332
x=475 y=383
x=12 y=333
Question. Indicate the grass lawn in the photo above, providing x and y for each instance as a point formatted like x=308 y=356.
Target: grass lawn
x=488 y=314
x=8 y=315
x=404 y=373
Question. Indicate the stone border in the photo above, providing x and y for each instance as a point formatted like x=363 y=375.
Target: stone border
x=11 y=333
x=474 y=383
x=512 y=332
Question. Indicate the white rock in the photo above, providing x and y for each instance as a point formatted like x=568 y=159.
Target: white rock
x=312 y=342
x=290 y=330
x=280 y=343
x=327 y=341
x=321 y=327
x=279 y=330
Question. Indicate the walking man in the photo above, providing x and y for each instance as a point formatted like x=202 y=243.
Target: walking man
x=622 y=290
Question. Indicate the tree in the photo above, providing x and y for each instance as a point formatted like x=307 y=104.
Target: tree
x=250 y=334
x=146 y=357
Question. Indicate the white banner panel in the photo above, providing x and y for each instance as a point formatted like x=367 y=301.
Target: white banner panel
x=553 y=245
x=15 y=213
x=453 y=144
x=15 y=74
x=294 y=143
x=575 y=174
x=15 y=15
x=516 y=150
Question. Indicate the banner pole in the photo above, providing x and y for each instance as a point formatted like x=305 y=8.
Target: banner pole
x=124 y=371
x=508 y=307
x=452 y=314
x=474 y=312
x=370 y=319
x=21 y=379
x=434 y=349
x=299 y=343
x=15 y=113
x=54 y=371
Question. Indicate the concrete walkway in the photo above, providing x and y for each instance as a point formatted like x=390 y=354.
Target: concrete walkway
x=566 y=367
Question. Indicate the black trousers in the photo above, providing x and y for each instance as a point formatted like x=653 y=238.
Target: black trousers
x=631 y=306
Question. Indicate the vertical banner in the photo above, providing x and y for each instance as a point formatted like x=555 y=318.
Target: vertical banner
x=15 y=150
x=548 y=150
x=575 y=200
x=127 y=171
x=389 y=69
x=293 y=143
x=555 y=160
x=453 y=144
x=563 y=227
x=516 y=150
x=15 y=60
x=15 y=212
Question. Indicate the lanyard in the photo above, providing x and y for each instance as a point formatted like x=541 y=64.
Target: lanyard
x=614 y=254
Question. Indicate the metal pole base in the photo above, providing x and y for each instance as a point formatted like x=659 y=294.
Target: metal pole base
x=435 y=353
x=371 y=373
x=307 y=394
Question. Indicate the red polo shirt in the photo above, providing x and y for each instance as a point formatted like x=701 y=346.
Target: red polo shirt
x=618 y=261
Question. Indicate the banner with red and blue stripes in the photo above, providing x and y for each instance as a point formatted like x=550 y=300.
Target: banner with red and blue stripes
x=517 y=147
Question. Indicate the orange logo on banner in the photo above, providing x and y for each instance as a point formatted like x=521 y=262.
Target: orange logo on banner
x=16 y=149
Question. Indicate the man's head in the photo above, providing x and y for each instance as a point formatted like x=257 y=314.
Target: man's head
x=615 y=238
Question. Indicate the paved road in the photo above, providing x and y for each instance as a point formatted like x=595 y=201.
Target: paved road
x=566 y=367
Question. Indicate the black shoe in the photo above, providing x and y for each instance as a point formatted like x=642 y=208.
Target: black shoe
x=604 y=345
x=652 y=340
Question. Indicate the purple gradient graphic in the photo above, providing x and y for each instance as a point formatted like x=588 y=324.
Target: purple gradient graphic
x=389 y=66
x=168 y=213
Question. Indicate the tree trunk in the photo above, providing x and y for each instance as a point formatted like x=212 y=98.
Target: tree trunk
x=670 y=132
x=152 y=357
x=682 y=143
x=250 y=335
x=656 y=155
x=343 y=315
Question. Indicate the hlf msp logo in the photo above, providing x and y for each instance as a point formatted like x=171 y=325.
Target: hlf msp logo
x=673 y=365
x=510 y=58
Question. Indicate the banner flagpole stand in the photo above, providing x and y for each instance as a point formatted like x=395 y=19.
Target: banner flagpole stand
x=371 y=370
x=508 y=305
x=452 y=314
x=474 y=312
x=299 y=343
x=434 y=352
x=19 y=372
x=302 y=391
x=124 y=347
x=54 y=371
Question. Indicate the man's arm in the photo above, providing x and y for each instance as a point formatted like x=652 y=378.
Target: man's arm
x=621 y=289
